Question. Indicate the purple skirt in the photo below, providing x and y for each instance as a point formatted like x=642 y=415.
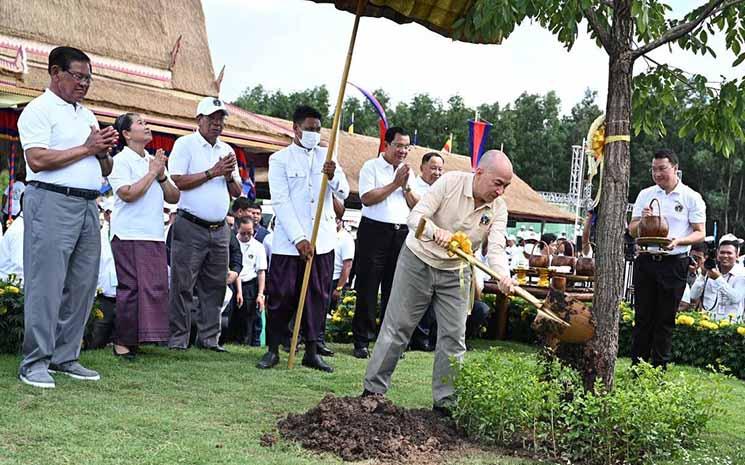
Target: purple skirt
x=141 y=292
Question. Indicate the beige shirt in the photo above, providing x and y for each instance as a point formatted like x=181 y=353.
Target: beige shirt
x=449 y=204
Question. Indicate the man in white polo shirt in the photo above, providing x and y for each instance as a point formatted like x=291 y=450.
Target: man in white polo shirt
x=660 y=275
x=205 y=170
x=386 y=202
x=66 y=154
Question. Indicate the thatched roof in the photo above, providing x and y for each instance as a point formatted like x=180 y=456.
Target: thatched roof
x=130 y=44
x=355 y=149
x=142 y=32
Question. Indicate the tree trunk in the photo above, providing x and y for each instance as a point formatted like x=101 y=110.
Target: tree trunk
x=602 y=350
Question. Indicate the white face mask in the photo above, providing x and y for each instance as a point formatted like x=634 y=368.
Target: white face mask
x=310 y=139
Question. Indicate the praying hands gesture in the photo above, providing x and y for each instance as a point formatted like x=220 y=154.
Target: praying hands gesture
x=224 y=166
x=101 y=140
x=157 y=164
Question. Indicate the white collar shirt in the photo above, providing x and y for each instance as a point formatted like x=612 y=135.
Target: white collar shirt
x=393 y=209
x=11 y=250
x=420 y=186
x=48 y=122
x=192 y=154
x=344 y=251
x=682 y=208
x=723 y=296
x=254 y=259
x=141 y=220
x=18 y=188
x=107 y=281
x=295 y=176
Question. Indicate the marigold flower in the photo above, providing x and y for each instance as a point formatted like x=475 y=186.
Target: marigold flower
x=741 y=330
x=12 y=289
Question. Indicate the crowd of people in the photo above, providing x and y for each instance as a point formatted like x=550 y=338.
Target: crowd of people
x=183 y=259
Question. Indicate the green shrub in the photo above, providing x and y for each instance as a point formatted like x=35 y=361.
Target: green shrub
x=11 y=315
x=697 y=341
x=515 y=401
x=339 y=326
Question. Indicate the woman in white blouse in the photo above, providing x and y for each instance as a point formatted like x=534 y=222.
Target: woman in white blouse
x=141 y=184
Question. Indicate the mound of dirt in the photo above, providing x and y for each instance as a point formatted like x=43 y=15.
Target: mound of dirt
x=357 y=428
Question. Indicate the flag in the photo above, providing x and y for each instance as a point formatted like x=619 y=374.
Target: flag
x=351 y=125
x=383 y=121
x=478 y=132
x=416 y=137
x=448 y=147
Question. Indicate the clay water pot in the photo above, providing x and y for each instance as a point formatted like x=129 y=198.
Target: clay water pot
x=585 y=266
x=562 y=260
x=539 y=261
x=581 y=325
x=653 y=225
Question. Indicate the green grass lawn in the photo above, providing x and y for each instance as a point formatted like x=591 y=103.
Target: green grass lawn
x=199 y=407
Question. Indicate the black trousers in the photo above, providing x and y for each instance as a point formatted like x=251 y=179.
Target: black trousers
x=425 y=332
x=659 y=283
x=376 y=254
x=240 y=324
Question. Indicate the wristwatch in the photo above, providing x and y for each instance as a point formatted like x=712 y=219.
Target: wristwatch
x=406 y=188
x=208 y=173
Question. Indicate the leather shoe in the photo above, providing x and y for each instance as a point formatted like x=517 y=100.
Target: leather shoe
x=269 y=360
x=366 y=393
x=361 y=352
x=317 y=363
x=324 y=351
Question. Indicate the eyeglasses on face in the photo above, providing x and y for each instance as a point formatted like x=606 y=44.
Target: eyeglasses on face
x=80 y=77
x=396 y=145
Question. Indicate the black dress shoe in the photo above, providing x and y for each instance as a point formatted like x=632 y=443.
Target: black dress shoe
x=269 y=360
x=126 y=355
x=324 y=351
x=361 y=352
x=317 y=363
x=366 y=393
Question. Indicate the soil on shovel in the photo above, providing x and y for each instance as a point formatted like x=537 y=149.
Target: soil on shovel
x=362 y=428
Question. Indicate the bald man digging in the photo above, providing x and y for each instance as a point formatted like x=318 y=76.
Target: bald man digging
x=458 y=201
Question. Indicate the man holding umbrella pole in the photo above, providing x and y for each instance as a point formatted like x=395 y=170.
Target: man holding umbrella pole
x=295 y=179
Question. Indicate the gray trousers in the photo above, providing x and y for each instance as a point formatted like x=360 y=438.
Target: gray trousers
x=415 y=285
x=61 y=255
x=199 y=264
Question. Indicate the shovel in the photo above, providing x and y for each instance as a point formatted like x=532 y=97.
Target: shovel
x=543 y=310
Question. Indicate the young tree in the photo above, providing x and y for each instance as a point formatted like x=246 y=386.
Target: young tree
x=629 y=30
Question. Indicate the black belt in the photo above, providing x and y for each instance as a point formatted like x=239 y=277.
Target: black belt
x=199 y=221
x=87 y=194
x=658 y=257
x=383 y=224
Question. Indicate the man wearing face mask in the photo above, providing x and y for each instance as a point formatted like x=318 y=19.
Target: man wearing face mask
x=386 y=202
x=660 y=275
x=204 y=169
x=295 y=176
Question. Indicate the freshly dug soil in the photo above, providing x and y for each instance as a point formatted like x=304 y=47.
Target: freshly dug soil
x=356 y=428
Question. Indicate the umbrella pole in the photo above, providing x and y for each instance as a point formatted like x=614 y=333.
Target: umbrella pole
x=324 y=184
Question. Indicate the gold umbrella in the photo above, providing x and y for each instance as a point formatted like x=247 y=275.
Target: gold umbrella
x=441 y=16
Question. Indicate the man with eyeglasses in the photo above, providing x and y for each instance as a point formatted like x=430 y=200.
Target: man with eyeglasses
x=66 y=155
x=660 y=273
x=721 y=284
x=387 y=200
x=205 y=170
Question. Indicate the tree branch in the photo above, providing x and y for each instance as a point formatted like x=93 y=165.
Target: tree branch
x=674 y=33
x=599 y=29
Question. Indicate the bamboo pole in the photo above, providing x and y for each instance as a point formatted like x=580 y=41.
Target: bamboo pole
x=324 y=183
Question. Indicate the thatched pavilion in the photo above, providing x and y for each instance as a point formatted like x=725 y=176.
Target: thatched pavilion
x=150 y=57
